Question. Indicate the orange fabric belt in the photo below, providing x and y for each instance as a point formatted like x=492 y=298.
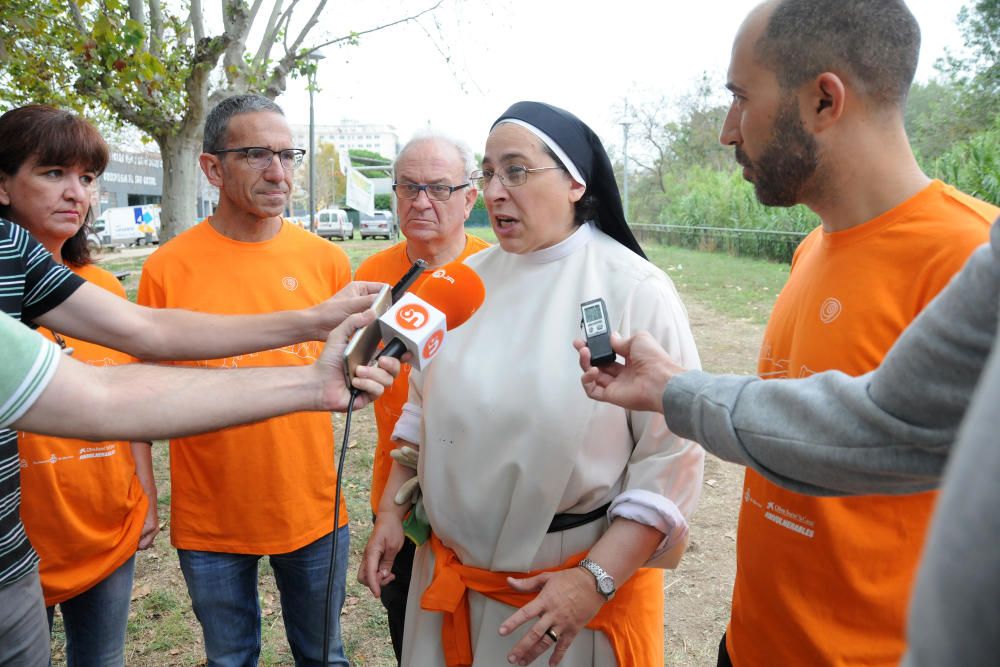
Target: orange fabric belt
x=632 y=621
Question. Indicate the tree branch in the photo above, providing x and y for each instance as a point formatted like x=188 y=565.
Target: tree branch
x=276 y=81
x=74 y=11
x=155 y=28
x=197 y=21
x=137 y=11
x=236 y=18
x=270 y=32
x=355 y=35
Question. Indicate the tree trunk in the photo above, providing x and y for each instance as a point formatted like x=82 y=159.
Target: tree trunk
x=180 y=184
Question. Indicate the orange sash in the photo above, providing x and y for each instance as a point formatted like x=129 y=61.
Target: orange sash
x=632 y=621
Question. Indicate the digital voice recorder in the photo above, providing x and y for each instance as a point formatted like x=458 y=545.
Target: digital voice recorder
x=597 y=329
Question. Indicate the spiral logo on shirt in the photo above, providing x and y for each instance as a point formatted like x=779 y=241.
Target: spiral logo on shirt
x=412 y=316
x=289 y=283
x=829 y=310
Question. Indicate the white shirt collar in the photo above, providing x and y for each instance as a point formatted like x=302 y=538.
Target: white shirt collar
x=564 y=248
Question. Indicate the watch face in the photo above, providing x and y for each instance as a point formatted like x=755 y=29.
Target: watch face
x=606 y=585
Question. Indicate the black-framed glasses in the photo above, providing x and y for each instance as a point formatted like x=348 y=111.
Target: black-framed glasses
x=259 y=157
x=436 y=191
x=511 y=176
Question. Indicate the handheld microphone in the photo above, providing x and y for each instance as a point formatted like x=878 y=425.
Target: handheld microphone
x=417 y=322
x=365 y=341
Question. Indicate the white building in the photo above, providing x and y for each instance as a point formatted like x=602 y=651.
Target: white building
x=381 y=139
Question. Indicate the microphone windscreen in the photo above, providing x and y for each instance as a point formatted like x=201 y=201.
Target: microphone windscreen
x=456 y=290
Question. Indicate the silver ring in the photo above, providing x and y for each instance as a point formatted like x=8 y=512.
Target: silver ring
x=551 y=635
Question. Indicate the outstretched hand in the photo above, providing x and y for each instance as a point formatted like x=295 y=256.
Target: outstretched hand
x=371 y=381
x=635 y=385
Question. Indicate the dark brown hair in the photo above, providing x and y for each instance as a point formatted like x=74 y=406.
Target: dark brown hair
x=53 y=137
x=876 y=41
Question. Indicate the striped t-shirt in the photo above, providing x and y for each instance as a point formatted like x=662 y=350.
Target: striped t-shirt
x=31 y=284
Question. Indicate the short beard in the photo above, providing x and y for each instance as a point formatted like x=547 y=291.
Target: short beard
x=787 y=163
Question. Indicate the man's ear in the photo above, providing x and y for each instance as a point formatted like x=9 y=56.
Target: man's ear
x=4 y=193
x=212 y=166
x=471 y=194
x=825 y=101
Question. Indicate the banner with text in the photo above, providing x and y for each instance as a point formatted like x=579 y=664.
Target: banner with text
x=360 y=192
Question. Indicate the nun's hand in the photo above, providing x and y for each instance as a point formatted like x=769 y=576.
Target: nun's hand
x=566 y=603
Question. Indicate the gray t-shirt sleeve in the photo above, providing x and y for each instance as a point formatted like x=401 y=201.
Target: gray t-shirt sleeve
x=27 y=363
x=889 y=431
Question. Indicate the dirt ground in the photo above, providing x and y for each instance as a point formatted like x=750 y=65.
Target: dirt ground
x=698 y=592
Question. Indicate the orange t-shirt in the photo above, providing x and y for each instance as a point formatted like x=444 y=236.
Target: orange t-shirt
x=81 y=502
x=826 y=581
x=267 y=487
x=389 y=266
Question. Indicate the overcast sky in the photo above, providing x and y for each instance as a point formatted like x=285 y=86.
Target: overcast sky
x=460 y=67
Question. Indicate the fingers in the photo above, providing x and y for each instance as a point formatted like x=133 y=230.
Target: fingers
x=560 y=652
x=146 y=539
x=529 y=584
x=623 y=345
x=542 y=636
x=369 y=571
x=404 y=495
x=343 y=332
x=522 y=615
x=584 y=351
x=372 y=380
x=361 y=288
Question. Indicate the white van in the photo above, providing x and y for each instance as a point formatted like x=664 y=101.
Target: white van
x=334 y=223
x=128 y=225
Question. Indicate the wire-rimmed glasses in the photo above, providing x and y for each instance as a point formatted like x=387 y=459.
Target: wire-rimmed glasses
x=511 y=176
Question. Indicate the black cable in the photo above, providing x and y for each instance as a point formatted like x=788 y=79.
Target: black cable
x=336 y=529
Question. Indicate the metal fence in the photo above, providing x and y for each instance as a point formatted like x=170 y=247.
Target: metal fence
x=762 y=243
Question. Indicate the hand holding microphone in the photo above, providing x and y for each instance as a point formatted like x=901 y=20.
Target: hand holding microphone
x=418 y=321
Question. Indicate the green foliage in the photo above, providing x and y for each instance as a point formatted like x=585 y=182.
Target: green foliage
x=712 y=198
x=368 y=157
x=973 y=166
x=934 y=121
x=383 y=202
x=976 y=73
x=93 y=55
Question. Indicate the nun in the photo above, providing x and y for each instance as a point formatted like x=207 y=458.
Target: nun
x=550 y=514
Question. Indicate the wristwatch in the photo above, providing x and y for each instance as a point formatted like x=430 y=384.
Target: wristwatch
x=605 y=582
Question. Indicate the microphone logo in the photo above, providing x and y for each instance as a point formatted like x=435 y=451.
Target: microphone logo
x=413 y=316
x=433 y=344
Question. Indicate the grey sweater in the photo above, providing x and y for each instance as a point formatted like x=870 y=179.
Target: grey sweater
x=891 y=431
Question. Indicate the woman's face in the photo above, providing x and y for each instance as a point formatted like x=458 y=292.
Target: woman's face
x=50 y=201
x=537 y=214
